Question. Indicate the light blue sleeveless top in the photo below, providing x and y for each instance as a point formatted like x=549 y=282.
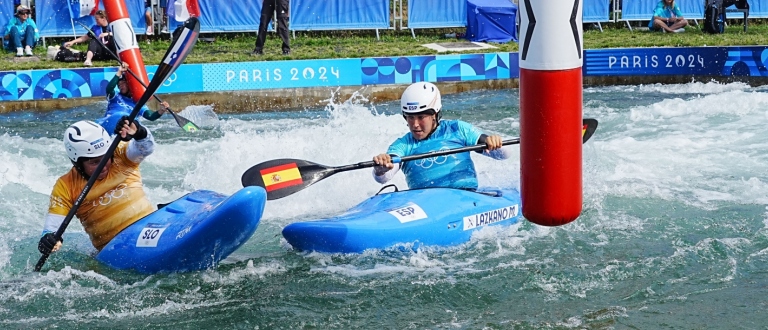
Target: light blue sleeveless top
x=451 y=171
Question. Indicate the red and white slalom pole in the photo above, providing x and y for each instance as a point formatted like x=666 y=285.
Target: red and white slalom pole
x=126 y=44
x=551 y=54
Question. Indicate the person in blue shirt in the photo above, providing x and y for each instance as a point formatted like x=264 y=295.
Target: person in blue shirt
x=121 y=102
x=104 y=37
x=667 y=17
x=21 y=32
x=421 y=107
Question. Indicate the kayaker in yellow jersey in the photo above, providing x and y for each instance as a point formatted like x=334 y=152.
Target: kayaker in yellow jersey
x=421 y=106
x=116 y=199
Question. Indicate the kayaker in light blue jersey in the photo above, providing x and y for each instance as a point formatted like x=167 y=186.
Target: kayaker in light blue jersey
x=121 y=102
x=421 y=108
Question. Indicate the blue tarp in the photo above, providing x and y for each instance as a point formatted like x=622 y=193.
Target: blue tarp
x=227 y=16
x=691 y=9
x=53 y=18
x=339 y=14
x=757 y=9
x=491 y=21
x=436 y=13
x=595 y=11
x=6 y=14
x=638 y=10
x=642 y=10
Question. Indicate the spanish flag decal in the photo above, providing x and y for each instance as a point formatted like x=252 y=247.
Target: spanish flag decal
x=281 y=176
x=583 y=130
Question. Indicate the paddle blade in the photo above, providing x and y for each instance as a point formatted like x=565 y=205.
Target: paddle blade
x=283 y=177
x=588 y=128
x=184 y=123
x=183 y=44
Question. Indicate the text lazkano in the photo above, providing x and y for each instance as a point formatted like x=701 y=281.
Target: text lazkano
x=489 y=217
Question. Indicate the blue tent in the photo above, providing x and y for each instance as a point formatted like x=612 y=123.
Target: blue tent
x=491 y=20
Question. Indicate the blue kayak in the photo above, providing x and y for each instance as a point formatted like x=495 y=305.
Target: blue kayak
x=192 y=233
x=436 y=216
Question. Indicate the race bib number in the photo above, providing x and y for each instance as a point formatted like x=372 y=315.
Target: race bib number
x=409 y=212
x=150 y=235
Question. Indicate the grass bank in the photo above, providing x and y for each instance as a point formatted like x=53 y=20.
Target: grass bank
x=353 y=44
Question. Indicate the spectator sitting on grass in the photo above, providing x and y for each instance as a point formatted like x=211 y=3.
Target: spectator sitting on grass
x=96 y=47
x=21 y=32
x=667 y=17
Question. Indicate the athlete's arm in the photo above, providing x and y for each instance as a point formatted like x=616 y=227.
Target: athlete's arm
x=52 y=223
x=111 y=86
x=385 y=170
x=141 y=146
x=154 y=115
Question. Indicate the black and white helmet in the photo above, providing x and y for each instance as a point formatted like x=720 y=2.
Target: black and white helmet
x=86 y=139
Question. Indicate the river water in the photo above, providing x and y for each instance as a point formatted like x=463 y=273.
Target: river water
x=673 y=232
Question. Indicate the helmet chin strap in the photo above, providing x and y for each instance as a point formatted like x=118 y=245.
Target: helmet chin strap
x=78 y=165
x=434 y=127
x=80 y=169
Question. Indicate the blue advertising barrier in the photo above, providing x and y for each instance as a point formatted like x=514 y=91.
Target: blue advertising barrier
x=694 y=61
x=28 y=85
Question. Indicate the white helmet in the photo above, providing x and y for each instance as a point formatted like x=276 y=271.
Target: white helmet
x=419 y=97
x=86 y=139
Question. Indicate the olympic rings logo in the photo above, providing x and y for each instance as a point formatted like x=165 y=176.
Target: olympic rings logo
x=168 y=82
x=116 y=193
x=429 y=162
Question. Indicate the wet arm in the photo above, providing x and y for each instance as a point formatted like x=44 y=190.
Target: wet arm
x=111 y=87
x=151 y=115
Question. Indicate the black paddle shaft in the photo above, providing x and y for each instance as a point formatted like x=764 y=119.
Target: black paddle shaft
x=590 y=125
x=430 y=154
